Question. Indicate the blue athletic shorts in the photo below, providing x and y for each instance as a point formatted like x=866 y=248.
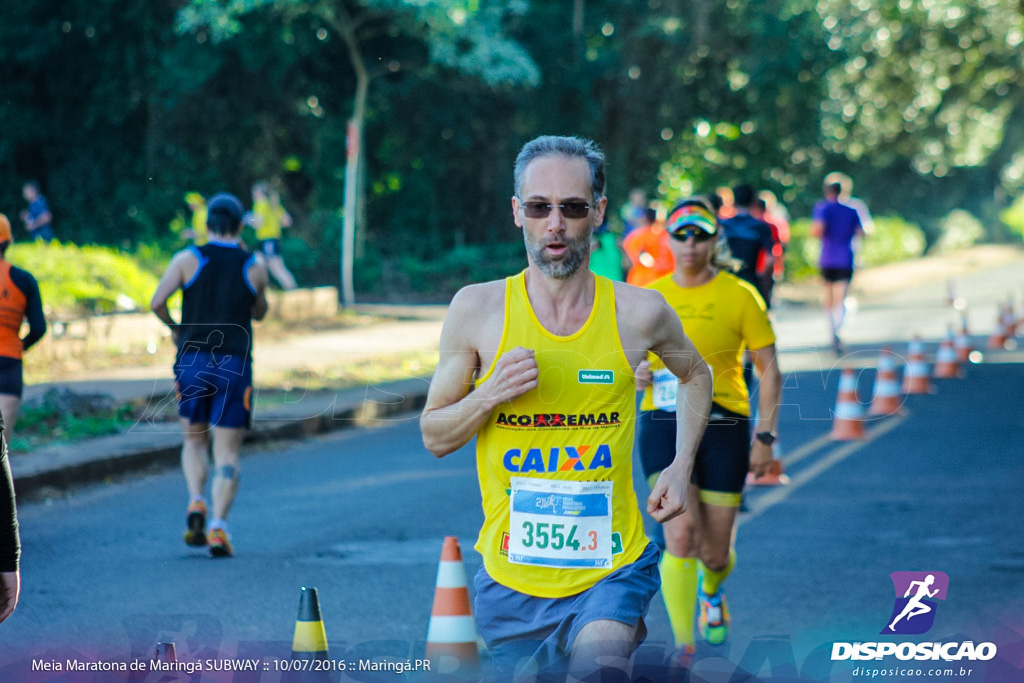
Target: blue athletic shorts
x=271 y=247
x=519 y=627
x=11 y=382
x=214 y=388
x=723 y=455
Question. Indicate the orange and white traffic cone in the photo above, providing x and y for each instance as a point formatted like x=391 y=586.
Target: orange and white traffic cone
x=915 y=374
x=775 y=476
x=1009 y=320
x=997 y=340
x=886 y=398
x=946 y=365
x=847 y=422
x=962 y=342
x=452 y=632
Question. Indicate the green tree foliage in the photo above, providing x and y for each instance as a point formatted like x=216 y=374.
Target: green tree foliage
x=120 y=109
x=455 y=34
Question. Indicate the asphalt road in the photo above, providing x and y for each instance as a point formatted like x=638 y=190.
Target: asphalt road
x=361 y=515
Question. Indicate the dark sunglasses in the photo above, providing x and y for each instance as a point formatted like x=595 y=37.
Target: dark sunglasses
x=698 y=235
x=568 y=209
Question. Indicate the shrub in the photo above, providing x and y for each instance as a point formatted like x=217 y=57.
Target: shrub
x=85 y=280
x=893 y=239
x=1013 y=216
x=958 y=230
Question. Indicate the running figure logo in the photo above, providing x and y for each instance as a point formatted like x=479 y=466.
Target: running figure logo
x=914 y=612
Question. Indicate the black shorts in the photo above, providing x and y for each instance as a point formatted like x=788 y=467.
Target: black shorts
x=723 y=455
x=271 y=247
x=837 y=274
x=10 y=376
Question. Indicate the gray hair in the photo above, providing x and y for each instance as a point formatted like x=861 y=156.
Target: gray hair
x=721 y=256
x=570 y=147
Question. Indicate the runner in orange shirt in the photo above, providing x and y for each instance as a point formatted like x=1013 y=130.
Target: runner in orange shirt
x=648 y=248
x=19 y=300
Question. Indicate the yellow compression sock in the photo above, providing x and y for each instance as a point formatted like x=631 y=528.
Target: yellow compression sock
x=679 y=590
x=712 y=579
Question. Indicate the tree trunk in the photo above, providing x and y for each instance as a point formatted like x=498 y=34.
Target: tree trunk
x=351 y=210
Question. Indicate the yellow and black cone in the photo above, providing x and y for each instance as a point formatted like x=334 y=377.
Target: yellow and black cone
x=310 y=640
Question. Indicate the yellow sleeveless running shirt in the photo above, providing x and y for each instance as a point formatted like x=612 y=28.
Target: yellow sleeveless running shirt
x=556 y=464
x=722 y=318
x=269 y=227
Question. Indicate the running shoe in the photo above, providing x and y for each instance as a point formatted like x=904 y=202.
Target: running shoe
x=837 y=345
x=681 y=659
x=220 y=544
x=195 y=524
x=714 y=616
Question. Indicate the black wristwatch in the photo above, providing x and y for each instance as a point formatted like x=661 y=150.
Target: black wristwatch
x=767 y=438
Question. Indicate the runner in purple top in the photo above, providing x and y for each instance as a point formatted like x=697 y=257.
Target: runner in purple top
x=836 y=224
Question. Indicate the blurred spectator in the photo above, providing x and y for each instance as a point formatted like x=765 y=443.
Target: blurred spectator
x=197 y=232
x=606 y=255
x=634 y=214
x=722 y=201
x=649 y=251
x=750 y=239
x=768 y=276
x=38 y=219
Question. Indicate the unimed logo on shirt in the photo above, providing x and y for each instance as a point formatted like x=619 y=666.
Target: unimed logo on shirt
x=596 y=377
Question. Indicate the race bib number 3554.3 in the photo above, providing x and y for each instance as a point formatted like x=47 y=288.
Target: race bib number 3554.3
x=560 y=523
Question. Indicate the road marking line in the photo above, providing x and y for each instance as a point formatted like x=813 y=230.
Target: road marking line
x=777 y=495
x=805 y=450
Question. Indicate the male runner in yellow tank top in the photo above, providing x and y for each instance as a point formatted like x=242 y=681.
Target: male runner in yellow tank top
x=540 y=368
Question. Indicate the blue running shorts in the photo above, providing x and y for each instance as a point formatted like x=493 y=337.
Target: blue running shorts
x=519 y=627
x=214 y=388
x=271 y=247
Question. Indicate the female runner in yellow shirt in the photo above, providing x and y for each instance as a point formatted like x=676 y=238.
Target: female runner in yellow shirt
x=724 y=316
x=268 y=217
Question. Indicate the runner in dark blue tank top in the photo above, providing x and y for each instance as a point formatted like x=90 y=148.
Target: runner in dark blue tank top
x=223 y=291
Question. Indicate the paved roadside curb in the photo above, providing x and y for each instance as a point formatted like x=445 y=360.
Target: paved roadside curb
x=145 y=445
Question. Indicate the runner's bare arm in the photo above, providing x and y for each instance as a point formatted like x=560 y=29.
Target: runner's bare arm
x=172 y=281
x=453 y=413
x=769 y=396
x=693 y=405
x=259 y=279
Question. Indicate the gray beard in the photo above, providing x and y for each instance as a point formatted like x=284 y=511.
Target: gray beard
x=576 y=251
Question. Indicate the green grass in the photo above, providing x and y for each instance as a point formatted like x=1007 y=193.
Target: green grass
x=46 y=424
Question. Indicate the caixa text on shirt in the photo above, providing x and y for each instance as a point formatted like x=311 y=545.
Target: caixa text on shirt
x=556 y=420
x=558 y=459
